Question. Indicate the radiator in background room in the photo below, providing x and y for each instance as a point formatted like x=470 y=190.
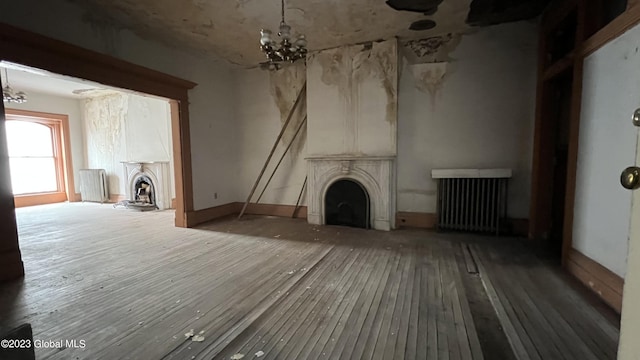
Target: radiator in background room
x=473 y=200
x=93 y=185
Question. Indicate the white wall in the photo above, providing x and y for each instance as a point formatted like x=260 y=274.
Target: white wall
x=611 y=93
x=65 y=106
x=352 y=100
x=474 y=111
x=264 y=102
x=211 y=108
x=126 y=127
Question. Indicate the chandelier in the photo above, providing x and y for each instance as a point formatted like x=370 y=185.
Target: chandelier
x=8 y=95
x=286 y=51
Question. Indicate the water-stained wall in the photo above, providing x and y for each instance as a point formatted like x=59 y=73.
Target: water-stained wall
x=467 y=102
x=265 y=100
x=352 y=97
x=126 y=127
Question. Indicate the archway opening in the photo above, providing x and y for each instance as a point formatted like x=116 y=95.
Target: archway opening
x=347 y=204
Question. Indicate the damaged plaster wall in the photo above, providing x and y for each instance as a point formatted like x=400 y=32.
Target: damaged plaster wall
x=352 y=100
x=211 y=103
x=126 y=127
x=71 y=107
x=471 y=106
x=260 y=116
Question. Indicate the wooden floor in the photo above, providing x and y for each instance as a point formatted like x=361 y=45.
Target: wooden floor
x=131 y=285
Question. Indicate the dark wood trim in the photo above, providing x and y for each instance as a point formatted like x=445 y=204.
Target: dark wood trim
x=196 y=217
x=201 y=216
x=173 y=203
x=611 y=31
x=39 y=199
x=554 y=15
x=35 y=50
x=21 y=46
x=10 y=256
x=416 y=219
x=181 y=140
x=607 y=285
x=114 y=198
x=558 y=67
x=276 y=210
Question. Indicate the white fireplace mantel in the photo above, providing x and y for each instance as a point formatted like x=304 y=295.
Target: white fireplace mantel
x=159 y=173
x=375 y=173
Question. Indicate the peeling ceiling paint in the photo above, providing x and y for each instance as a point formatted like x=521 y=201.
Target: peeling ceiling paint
x=230 y=29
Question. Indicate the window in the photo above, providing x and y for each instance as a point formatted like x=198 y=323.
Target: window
x=33 y=157
x=39 y=157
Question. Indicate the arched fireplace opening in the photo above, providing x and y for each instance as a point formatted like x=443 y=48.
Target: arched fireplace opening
x=347 y=203
x=144 y=195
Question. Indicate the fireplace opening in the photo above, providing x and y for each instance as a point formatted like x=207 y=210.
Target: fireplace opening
x=144 y=191
x=347 y=204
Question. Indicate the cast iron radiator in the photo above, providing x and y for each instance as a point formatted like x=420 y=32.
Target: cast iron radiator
x=473 y=200
x=93 y=185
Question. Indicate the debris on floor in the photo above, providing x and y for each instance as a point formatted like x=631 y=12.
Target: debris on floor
x=259 y=353
x=276 y=236
x=237 y=356
x=189 y=334
x=291 y=272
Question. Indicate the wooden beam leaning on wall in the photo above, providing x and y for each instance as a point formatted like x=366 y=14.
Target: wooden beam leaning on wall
x=273 y=149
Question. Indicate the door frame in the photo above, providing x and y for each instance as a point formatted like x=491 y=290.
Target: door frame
x=35 y=50
x=585 y=46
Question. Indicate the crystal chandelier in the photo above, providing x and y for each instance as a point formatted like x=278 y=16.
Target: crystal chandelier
x=286 y=50
x=8 y=95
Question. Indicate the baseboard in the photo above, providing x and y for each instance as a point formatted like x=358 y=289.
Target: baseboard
x=113 y=198
x=607 y=285
x=275 y=210
x=421 y=220
x=416 y=220
x=12 y=266
x=39 y=199
x=173 y=203
x=201 y=216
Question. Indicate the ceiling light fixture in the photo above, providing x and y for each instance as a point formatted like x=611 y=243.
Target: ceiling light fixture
x=8 y=95
x=284 y=52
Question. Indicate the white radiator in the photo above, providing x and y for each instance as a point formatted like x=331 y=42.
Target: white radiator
x=93 y=185
x=472 y=200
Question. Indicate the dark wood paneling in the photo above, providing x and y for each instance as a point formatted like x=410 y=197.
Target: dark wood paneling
x=599 y=279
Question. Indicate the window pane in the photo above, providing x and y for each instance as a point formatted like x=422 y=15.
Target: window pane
x=33 y=175
x=28 y=139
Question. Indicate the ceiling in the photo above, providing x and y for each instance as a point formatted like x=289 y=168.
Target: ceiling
x=23 y=78
x=230 y=28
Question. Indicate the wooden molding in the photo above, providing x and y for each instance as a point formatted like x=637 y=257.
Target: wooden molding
x=196 y=217
x=611 y=31
x=416 y=219
x=173 y=203
x=607 y=285
x=12 y=266
x=29 y=48
x=201 y=216
x=275 y=210
x=114 y=198
x=39 y=199
x=77 y=197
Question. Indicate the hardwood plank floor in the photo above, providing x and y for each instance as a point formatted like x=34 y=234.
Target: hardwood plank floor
x=131 y=285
